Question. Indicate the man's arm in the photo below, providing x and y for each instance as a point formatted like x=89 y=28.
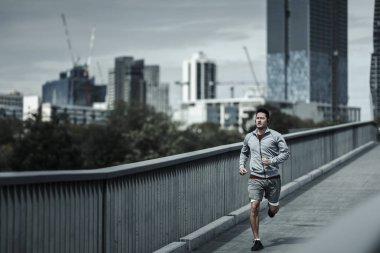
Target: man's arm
x=244 y=155
x=283 y=151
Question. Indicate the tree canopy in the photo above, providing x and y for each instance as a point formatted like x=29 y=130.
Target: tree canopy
x=132 y=132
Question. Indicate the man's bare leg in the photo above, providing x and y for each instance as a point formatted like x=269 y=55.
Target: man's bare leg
x=272 y=210
x=254 y=218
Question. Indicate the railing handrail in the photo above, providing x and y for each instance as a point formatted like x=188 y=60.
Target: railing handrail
x=326 y=129
x=32 y=177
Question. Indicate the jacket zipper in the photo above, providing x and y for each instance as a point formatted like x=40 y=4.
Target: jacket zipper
x=261 y=156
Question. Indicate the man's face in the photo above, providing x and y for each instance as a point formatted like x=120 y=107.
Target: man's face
x=261 y=120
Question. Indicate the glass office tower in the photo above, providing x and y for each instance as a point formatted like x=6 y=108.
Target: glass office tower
x=128 y=77
x=74 y=87
x=157 y=93
x=307 y=51
x=375 y=63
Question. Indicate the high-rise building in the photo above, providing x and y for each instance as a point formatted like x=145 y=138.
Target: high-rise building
x=307 y=51
x=157 y=94
x=198 y=78
x=152 y=75
x=128 y=77
x=375 y=63
x=111 y=88
x=73 y=88
x=11 y=105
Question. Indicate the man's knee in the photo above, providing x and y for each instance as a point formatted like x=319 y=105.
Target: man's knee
x=255 y=206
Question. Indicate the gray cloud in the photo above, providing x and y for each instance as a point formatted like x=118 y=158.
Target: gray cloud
x=34 y=47
x=33 y=31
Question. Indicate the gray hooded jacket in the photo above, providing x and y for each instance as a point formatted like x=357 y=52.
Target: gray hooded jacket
x=271 y=146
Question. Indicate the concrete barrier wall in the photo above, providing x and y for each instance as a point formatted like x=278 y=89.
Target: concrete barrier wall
x=143 y=206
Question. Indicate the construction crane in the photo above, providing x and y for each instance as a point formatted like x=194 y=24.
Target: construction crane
x=73 y=58
x=92 y=40
x=258 y=89
x=232 y=85
x=251 y=65
x=255 y=89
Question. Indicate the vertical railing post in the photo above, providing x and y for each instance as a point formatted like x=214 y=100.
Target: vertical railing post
x=103 y=216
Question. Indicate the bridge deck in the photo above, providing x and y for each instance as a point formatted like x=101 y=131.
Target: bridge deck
x=309 y=210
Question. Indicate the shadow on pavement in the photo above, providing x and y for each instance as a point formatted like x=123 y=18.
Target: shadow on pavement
x=286 y=240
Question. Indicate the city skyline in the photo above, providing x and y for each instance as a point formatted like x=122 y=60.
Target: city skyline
x=165 y=33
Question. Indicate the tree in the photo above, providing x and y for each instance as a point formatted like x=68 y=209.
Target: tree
x=146 y=134
x=10 y=129
x=206 y=135
x=45 y=146
x=133 y=132
x=101 y=147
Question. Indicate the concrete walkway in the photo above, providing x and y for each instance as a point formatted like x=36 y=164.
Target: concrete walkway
x=305 y=213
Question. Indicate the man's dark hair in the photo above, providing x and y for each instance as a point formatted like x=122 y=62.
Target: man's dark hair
x=263 y=110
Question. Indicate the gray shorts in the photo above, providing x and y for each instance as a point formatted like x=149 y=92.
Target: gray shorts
x=271 y=188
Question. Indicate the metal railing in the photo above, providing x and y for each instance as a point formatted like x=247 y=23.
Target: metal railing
x=142 y=206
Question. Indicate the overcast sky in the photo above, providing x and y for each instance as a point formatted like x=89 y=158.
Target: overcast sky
x=33 y=46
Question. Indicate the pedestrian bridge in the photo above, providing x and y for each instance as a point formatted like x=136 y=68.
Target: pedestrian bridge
x=198 y=202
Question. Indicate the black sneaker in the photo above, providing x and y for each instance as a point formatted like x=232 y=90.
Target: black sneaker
x=257 y=245
x=270 y=214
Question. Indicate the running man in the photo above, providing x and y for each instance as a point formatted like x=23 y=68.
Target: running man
x=267 y=149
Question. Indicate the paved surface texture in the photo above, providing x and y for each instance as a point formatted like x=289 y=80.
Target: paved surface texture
x=309 y=210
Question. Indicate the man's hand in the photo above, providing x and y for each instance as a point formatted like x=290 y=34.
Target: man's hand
x=242 y=171
x=265 y=161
